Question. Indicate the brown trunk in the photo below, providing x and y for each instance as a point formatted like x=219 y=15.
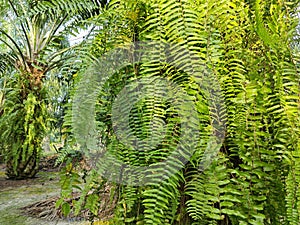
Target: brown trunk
x=35 y=76
x=24 y=169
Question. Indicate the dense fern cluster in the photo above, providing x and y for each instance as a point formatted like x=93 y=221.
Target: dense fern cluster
x=235 y=63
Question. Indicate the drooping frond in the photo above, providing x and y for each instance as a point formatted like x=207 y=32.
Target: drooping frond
x=200 y=124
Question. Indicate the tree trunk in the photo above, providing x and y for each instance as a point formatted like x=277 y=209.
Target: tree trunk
x=24 y=168
x=24 y=147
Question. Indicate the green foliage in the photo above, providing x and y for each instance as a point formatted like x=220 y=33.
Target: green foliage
x=32 y=43
x=246 y=47
x=71 y=7
x=2 y=100
x=23 y=123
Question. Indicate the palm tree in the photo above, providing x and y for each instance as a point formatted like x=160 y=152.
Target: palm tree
x=254 y=179
x=35 y=43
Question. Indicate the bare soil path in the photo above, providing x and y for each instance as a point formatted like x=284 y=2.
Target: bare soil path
x=15 y=194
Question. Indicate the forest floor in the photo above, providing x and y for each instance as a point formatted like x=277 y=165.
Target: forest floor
x=17 y=194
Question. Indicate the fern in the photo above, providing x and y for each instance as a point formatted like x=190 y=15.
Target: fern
x=234 y=62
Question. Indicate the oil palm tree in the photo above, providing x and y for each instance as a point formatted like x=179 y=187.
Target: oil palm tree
x=254 y=179
x=34 y=43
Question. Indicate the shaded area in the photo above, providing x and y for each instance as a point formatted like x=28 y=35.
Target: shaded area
x=16 y=194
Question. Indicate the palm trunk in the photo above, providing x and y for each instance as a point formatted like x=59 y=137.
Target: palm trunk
x=22 y=160
x=24 y=168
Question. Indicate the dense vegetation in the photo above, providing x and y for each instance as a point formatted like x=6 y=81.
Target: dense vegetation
x=228 y=156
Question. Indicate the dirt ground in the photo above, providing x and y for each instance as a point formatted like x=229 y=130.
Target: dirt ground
x=32 y=201
x=5 y=183
x=17 y=194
